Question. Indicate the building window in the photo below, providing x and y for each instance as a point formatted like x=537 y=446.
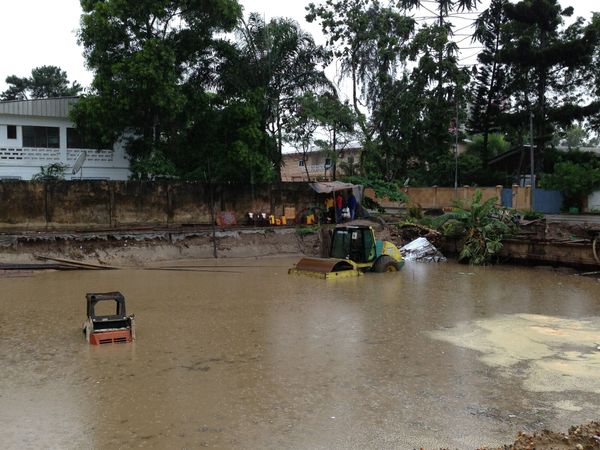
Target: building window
x=41 y=137
x=328 y=162
x=350 y=160
x=74 y=139
x=11 y=131
x=301 y=163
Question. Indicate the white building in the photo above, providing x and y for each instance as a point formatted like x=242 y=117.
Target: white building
x=37 y=133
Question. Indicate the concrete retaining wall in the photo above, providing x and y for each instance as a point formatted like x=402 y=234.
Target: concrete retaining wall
x=114 y=204
x=444 y=197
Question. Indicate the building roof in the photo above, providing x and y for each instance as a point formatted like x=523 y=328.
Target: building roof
x=43 y=107
x=327 y=187
x=295 y=154
x=517 y=151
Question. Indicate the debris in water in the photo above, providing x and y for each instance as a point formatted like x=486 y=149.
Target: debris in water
x=421 y=250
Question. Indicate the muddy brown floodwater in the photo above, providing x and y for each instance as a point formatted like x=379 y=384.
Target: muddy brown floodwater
x=243 y=355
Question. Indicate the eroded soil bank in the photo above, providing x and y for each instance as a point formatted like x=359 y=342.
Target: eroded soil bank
x=538 y=243
x=142 y=247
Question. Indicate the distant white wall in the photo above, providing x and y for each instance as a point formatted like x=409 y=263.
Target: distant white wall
x=594 y=201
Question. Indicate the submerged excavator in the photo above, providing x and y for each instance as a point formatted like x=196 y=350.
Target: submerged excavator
x=353 y=251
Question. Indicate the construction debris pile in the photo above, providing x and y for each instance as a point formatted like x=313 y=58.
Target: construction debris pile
x=421 y=250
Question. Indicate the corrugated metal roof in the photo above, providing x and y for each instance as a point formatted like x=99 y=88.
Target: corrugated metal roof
x=327 y=187
x=44 y=107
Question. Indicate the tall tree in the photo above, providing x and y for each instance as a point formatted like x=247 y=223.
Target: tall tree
x=548 y=67
x=338 y=123
x=369 y=39
x=145 y=55
x=487 y=90
x=274 y=64
x=321 y=121
x=44 y=82
x=594 y=74
x=439 y=75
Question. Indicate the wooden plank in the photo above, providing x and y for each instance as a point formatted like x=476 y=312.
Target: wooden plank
x=79 y=264
x=44 y=266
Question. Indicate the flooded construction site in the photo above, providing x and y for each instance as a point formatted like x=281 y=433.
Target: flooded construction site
x=236 y=353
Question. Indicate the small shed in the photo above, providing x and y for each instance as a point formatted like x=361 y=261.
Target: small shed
x=331 y=187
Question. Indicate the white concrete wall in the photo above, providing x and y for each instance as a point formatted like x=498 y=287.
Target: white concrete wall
x=594 y=201
x=22 y=163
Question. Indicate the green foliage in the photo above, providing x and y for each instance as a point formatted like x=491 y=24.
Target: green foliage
x=482 y=225
x=51 y=172
x=496 y=145
x=152 y=167
x=349 y=168
x=441 y=173
x=224 y=143
x=530 y=214
x=326 y=113
x=44 y=82
x=372 y=204
x=549 y=68
x=153 y=63
x=307 y=230
x=575 y=181
x=369 y=40
x=273 y=65
x=489 y=84
x=383 y=189
x=194 y=100
x=575 y=137
x=415 y=211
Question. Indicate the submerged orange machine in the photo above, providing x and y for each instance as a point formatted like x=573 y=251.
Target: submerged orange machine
x=108 y=329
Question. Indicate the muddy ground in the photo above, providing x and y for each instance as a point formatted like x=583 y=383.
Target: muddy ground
x=583 y=437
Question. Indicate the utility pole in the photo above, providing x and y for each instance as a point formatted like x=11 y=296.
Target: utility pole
x=456 y=149
x=531 y=157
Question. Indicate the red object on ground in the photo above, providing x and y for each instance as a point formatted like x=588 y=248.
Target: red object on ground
x=111 y=337
x=117 y=328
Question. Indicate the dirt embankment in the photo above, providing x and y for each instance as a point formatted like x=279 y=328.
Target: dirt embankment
x=137 y=248
x=143 y=246
x=583 y=437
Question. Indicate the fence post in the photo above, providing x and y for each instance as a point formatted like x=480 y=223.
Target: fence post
x=435 y=192
x=529 y=197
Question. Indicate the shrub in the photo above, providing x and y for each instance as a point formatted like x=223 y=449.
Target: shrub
x=482 y=225
x=575 y=181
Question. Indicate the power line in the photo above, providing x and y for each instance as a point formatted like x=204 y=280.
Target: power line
x=465 y=27
x=465 y=18
x=470 y=56
x=465 y=38
x=449 y=16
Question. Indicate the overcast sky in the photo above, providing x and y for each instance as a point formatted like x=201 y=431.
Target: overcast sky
x=43 y=32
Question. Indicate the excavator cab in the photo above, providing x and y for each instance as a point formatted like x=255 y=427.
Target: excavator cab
x=109 y=328
x=353 y=251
